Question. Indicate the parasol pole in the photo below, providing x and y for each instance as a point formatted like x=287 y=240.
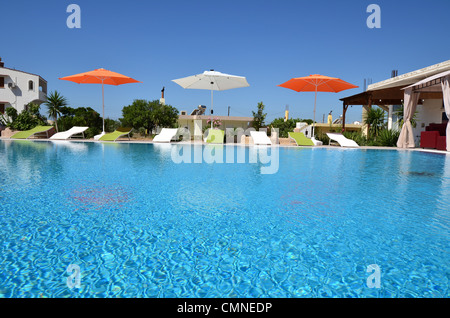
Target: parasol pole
x=103 y=106
x=314 y=120
x=211 y=106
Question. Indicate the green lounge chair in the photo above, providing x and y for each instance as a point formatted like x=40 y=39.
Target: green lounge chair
x=35 y=131
x=215 y=136
x=121 y=131
x=300 y=139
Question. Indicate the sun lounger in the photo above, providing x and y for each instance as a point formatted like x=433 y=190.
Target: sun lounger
x=122 y=131
x=316 y=142
x=215 y=136
x=69 y=133
x=38 y=130
x=260 y=138
x=166 y=135
x=342 y=140
x=300 y=139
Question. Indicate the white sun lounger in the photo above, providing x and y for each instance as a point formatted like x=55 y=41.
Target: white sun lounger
x=69 y=133
x=260 y=138
x=316 y=142
x=342 y=140
x=166 y=135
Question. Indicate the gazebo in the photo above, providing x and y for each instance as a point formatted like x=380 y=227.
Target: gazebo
x=436 y=83
x=426 y=84
x=382 y=98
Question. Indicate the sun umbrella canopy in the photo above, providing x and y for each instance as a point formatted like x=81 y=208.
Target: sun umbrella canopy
x=318 y=83
x=212 y=80
x=100 y=76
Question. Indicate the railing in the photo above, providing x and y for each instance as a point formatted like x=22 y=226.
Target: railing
x=42 y=96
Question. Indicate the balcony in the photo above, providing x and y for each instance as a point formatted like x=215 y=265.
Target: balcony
x=42 y=96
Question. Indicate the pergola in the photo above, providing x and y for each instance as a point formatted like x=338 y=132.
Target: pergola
x=391 y=91
x=382 y=98
x=437 y=83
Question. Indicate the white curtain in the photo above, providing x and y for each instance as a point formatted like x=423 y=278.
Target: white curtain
x=446 y=94
x=406 y=138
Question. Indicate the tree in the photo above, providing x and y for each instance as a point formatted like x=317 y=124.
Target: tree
x=55 y=101
x=81 y=116
x=164 y=115
x=148 y=115
x=375 y=119
x=137 y=115
x=259 y=117
x=111 y=124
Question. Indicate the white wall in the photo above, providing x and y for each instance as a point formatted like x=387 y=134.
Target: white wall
x=194 y=125
x=430 y=112
x=20 y=96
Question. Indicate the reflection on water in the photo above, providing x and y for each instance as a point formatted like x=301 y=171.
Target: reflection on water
x=99 y=196
x=71 y=145
x=163 y=149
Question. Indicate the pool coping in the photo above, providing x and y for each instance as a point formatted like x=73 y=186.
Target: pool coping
x=234 y=144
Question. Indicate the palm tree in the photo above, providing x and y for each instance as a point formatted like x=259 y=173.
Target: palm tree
x=375 y=119
x=259 y=116
x=54 y=103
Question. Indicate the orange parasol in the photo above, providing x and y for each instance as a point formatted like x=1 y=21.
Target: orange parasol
x=317 y=83
x=100 y=76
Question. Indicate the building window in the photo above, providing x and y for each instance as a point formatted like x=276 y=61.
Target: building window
x=30 y=85
x=2 y=82
x=2 y=109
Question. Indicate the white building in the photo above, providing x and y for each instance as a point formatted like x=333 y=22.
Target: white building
x=389 y=94
x=430 y=109
x=18 y=89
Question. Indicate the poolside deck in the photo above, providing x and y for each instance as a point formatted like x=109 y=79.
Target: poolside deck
x=283 y=143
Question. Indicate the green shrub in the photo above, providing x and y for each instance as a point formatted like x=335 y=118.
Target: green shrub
x=323 y=138
x=388 y=137
x=284 y=127
x=27 y=119
x=385 y=138
x=358 y=137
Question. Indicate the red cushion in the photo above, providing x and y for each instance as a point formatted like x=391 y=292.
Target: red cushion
x=428 y=139
x=441 y=143
x=437 y=127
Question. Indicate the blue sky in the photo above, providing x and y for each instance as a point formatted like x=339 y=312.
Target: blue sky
x=268 y=42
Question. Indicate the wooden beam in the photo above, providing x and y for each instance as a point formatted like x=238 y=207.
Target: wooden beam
x=344 y=110
x=388 y=96
x=369 y=107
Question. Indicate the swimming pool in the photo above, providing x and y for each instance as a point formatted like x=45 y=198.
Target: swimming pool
x=139 y=225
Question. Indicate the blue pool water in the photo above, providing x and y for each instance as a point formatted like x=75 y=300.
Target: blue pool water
x=139 y=225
